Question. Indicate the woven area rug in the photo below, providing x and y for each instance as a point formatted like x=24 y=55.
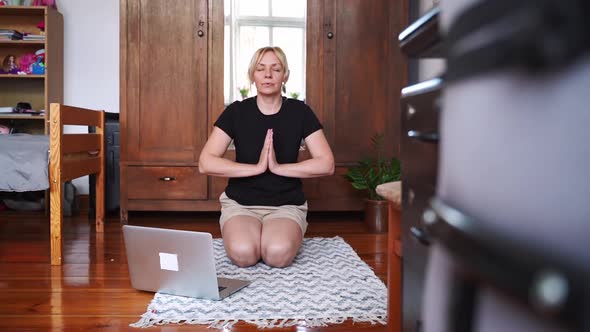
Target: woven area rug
x=326 y=284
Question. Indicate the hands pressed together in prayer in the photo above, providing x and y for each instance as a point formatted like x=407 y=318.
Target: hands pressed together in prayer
x=268 y=159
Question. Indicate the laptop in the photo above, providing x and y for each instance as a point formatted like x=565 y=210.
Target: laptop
x=175 y=262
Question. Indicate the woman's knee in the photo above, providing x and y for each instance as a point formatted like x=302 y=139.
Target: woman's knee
x=243 y=254
x=279 y=254
x=241 y=239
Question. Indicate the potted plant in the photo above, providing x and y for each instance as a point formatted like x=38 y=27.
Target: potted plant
x=367 y=175
x=244 y=92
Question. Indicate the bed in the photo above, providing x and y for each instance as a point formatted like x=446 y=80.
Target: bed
x=23 y=162
x=27 y=166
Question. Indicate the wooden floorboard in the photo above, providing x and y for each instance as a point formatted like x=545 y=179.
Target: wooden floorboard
x=91 y=290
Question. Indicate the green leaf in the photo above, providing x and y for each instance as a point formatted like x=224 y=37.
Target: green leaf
x=359 y=186
x=373 y=171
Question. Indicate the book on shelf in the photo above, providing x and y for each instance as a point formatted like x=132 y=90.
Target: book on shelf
x=34 y=37
x=8 y=34
x=20 y=112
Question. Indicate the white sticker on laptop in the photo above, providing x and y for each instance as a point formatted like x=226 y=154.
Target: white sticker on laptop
x=168 y=261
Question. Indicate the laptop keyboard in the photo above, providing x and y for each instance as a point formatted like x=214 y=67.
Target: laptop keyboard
x=220 y=288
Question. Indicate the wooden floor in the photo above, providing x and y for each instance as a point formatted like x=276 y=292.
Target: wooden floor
x=92 y=292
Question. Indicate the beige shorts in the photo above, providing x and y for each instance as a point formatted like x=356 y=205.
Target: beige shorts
x=231 y=208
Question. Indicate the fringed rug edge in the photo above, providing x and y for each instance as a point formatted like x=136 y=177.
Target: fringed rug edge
x=146 y=321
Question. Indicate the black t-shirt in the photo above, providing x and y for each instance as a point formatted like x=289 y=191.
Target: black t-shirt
x=247 y=126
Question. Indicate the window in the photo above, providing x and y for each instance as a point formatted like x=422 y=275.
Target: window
x=251 y=24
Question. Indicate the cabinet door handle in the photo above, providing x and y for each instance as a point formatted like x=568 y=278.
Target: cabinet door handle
x=424 y=137
x=420 y=235
x=167 y=178
x=330 y=35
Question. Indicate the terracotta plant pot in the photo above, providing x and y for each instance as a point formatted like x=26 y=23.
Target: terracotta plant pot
x=376 y=215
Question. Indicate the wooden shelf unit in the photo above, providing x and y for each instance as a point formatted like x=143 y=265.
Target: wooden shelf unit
x=21 y=76
x=23 y=42
x=23 y=10
x=22 y=117
x=38 y=90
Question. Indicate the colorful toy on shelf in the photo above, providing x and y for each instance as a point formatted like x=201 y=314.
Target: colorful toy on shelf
x=48 y=3
x=38 y=68
x=40 y=54
x=32 y=63
x=25 y=62
x=9 y=65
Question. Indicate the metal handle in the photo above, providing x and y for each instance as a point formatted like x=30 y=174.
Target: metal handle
x=167 y=178
x=424 y=137
x=420 y=235
x=200 y=32
x=330 y=35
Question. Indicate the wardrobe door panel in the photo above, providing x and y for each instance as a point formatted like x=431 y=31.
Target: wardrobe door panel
x=167 y=93
x=355 y=72
x=362 y=43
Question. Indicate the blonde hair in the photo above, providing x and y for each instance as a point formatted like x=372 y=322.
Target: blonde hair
x=258 y=56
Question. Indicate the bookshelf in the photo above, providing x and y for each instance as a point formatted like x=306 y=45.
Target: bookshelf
x=38 y=90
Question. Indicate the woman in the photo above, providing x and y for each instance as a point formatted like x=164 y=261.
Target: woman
x=263 y=209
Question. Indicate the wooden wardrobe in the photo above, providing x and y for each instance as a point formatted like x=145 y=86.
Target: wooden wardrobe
x=172 y=93
x=165 y=48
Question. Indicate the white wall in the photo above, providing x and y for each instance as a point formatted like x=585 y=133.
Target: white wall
x=91 y=59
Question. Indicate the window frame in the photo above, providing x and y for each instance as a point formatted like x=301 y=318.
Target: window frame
x=235 y=22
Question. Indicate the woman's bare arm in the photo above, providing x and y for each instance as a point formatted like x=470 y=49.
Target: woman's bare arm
x=211 y=160
x=321 y=162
